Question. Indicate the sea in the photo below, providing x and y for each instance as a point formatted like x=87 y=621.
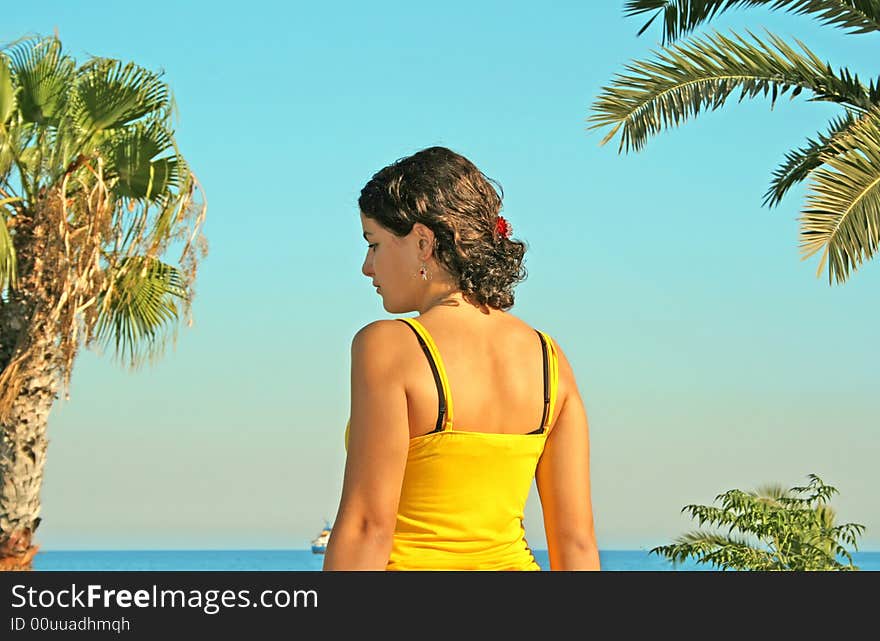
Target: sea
x=306 y=560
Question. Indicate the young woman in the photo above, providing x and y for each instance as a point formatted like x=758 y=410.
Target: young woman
x=455 y=411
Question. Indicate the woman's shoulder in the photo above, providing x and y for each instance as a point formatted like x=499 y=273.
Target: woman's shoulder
x=385 y=339
x=377 y=328
x=378 y=334
x=566 y=372
x=530 y=329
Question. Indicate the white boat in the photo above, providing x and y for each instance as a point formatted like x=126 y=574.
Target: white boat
x=319 y=543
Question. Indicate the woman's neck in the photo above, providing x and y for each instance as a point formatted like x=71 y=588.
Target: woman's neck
x=452 y=299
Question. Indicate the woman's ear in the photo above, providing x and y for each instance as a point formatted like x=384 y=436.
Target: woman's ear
x=426 y=240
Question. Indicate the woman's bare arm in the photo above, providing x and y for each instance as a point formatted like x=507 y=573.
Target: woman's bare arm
x=563 y=481
x=377 y=449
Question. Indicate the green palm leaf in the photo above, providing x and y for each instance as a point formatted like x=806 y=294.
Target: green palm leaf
x=7 y=256
x=800 y=163
x=7 y=108
x=7 y=93
x=171 y=207
x=681 y=17
x=842 y=216
x=110 y=94
x=7 y=157
x=131 y=155
x=138 y=308
x=702 y=73
x=721 y=551
x=43 y=74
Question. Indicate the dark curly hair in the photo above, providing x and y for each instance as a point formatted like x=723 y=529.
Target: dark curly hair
x=448 y=194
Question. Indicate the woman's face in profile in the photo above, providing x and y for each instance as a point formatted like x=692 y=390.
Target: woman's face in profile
x=390 y=264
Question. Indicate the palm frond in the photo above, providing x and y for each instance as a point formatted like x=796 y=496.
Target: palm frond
x=171 y=208
x=800 y=163
x=718 y=550
x=131 y=155
x=701 y=74
x=842 y=216
x=682 y=17
x=770 y=492
x=7 y=256
x=7 y=92
x=110 y=94
x=7 y=151
x=43 y=74
x=138 y=309
x=734 y=555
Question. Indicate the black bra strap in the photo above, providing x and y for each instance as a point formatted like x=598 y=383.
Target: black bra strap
x=546 y=384
x=442 y=399
x=441 y=410
x=540 y=430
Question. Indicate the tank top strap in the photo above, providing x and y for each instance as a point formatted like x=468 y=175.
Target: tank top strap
x=444 y=414
x=551 y=377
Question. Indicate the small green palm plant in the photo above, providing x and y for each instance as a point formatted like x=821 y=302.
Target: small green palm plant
x=771 y=529
x=693 y=74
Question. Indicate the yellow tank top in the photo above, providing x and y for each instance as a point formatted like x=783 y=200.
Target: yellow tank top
x=464 y=493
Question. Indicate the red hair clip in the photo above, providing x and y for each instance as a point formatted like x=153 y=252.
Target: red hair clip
x=502 y=227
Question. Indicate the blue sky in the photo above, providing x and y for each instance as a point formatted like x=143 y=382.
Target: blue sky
x=708 y=354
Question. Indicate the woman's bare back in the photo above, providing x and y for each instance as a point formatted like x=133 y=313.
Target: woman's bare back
x=494 y=365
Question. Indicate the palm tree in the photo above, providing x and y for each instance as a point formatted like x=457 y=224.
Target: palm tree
x=842 y=213
x=770 y=529
x=93 y=194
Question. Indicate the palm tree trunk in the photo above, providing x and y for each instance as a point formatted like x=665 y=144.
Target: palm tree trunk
x=32 y=390
x=22 y=460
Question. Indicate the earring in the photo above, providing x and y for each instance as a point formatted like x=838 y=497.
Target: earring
x=423 y=271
